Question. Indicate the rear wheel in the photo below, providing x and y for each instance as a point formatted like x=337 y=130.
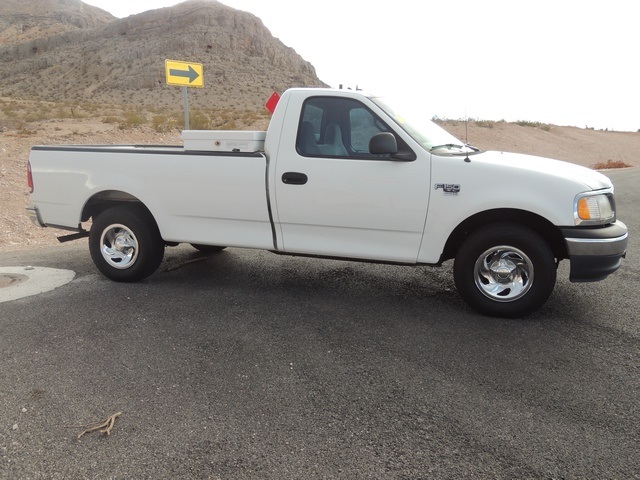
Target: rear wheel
x=505 y=270
x=125 y=243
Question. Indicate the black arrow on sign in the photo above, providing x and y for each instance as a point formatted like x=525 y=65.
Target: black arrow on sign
x=191 y=74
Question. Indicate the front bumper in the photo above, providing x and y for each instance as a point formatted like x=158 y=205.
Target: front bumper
x=595 y=253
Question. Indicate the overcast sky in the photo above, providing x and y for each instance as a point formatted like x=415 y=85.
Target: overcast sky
x=567 y=62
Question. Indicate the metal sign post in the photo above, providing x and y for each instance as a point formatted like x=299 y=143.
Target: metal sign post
x=186 y=107
x=184 y=74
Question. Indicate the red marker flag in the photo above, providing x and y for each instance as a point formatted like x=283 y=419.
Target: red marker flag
x=272 y=102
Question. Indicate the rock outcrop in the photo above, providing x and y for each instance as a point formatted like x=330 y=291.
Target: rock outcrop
x=92 y=57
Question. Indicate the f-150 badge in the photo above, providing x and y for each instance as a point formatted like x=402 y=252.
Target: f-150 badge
x=448 y=188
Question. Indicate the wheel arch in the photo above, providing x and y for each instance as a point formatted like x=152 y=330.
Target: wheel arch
x=106 y=199
x=544 y=227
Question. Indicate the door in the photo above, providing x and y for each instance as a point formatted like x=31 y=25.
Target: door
x=334 y=198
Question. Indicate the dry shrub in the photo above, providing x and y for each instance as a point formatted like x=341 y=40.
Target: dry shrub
x=132 y=119
x=164 y=123
x=611 y=164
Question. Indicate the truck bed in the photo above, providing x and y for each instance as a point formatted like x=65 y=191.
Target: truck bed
x=195 y=196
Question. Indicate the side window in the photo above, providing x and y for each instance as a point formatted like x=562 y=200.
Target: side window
x=363 y=126
x=313 y=114
x=337 y=127
x=309 y=130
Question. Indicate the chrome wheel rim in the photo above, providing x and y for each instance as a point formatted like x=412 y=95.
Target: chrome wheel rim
x=119 y=246
x=503 y=273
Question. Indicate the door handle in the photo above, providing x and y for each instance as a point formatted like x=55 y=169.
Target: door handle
x=294 y=178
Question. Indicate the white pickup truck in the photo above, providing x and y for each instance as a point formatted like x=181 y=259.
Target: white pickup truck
x=339 y=174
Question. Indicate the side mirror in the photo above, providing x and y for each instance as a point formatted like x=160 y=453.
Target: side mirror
x=383 y=143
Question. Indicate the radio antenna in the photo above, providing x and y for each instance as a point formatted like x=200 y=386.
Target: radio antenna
x=466 y=133
x=466 y=127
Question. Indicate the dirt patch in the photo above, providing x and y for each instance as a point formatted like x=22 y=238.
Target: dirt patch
x=586 y=147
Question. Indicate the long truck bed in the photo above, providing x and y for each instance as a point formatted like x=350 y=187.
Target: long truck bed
x=195 y=196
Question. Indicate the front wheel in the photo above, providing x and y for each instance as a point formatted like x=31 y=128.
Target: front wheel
x=505 y=270
x=125 y=243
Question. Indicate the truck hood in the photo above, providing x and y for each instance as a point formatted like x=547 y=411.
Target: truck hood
x=590 y=178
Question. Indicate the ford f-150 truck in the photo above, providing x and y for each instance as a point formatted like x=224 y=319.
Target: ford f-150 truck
x=346 y=175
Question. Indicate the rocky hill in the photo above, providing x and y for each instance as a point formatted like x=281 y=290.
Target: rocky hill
x=61 y=50
x=23 y=21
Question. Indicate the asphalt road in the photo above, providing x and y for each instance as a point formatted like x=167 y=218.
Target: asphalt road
x=249 y=365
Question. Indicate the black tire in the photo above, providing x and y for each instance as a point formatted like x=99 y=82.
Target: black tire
x=207 y=248
x=125 y=243
x=505 y=270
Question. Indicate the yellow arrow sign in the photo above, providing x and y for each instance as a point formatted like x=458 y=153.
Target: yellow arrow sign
x=184 y=74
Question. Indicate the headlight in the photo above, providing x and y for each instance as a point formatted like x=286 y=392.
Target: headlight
x=594 y=208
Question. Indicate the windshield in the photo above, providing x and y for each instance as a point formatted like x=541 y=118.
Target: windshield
x=413 y=119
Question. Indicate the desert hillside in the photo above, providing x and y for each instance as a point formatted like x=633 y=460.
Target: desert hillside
x=28 y=20
x=587 y=147
x=60 y=50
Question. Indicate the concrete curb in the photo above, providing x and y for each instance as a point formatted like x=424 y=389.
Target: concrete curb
x=20 y=282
